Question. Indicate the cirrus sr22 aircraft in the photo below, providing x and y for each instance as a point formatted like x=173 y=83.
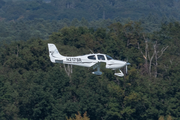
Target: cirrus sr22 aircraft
x=88 y=60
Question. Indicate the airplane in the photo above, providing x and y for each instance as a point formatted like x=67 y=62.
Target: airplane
x=88 y=60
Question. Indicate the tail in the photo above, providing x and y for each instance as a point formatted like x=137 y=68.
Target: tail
x=54 y=53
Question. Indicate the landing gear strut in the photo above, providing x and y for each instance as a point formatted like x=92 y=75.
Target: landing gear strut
x=98 y=72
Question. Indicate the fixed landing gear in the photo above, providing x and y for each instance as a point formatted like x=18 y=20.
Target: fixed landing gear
x=98 y=72
x=121 y=74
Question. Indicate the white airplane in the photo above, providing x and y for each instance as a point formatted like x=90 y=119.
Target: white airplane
x=89 y=60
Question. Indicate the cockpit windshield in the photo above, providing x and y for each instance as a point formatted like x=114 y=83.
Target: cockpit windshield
x=109 y=58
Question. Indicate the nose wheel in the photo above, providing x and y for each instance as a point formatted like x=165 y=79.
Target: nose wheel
x=120 y=74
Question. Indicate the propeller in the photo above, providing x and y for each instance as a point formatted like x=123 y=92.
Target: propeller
x=127 y=65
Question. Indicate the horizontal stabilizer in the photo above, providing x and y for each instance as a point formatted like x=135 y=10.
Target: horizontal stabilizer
x=58 y=61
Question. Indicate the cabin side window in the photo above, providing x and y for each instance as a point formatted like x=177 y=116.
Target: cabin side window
x=92 y=57
x=101 y=57
x=109 y=58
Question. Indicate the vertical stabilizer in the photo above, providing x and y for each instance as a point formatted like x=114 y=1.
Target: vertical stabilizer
x=54 y=53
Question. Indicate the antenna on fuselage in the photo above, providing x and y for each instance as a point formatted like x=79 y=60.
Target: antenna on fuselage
x=91 y=51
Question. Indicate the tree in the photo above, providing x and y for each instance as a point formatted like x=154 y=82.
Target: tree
x=78 y=117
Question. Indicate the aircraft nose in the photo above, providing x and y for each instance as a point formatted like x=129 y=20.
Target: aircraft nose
x=122 y=64
x=126 y=64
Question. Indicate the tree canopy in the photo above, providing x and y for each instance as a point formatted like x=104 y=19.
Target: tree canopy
x=31 y=87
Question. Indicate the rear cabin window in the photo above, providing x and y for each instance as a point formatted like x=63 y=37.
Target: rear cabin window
x=92 y=57
x=101 y=57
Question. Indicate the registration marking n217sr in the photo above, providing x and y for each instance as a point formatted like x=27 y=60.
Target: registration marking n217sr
x=74 y=59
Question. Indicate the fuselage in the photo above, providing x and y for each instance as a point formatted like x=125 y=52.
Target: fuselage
x=91 y=59
x=88 y=60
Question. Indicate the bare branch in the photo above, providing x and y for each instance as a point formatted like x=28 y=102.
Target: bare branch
x=171 y=61
x=141 y=52
x=68 y=70
x=162 y=51
x=65 y=69
x=71 y=69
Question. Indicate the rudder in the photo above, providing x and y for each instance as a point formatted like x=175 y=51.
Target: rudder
x=53 y=52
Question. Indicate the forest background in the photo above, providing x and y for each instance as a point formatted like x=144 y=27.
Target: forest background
x=144 y=32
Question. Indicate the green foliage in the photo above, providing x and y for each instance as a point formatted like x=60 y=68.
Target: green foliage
x=89 y=9
x=31 y=87
x=78 y=117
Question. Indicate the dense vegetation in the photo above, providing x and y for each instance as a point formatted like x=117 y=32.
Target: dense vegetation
x=144 y=32
x=28 y=29
x=31 y=87
x=89 y=9
x=26 y=19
